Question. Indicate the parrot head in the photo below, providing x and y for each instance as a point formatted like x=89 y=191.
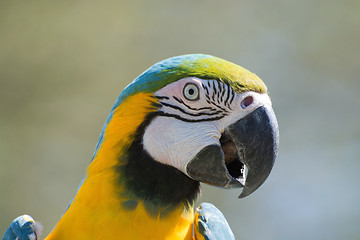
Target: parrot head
x=185 y=120
x=210 y=120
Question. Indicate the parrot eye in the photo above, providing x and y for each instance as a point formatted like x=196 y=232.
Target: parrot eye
x=191 y=92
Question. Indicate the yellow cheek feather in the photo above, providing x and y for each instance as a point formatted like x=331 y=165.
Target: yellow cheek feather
x=96 y=211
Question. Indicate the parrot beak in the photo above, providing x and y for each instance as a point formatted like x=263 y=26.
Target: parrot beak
x=246 y=155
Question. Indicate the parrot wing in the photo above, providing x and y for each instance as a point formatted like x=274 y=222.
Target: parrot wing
x=23 y=228
x=210 y=224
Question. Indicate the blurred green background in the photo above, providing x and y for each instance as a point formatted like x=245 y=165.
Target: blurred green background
x=63 y=64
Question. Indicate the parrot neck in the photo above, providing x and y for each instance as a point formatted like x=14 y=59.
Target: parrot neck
x=127 y=194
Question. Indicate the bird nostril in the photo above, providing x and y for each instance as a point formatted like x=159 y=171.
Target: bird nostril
x=247 y=102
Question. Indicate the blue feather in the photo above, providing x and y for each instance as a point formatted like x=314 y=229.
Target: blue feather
x=211 y=224
x=23 y=228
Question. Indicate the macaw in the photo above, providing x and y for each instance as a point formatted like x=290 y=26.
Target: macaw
x=187 y=119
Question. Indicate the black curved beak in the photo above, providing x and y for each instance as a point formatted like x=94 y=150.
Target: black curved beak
x=246 y=155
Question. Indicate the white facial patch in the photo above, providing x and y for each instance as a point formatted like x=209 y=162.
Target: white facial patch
x=174 y=142
x=193 y=115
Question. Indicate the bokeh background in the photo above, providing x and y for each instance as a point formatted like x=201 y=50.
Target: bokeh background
x=63 y=64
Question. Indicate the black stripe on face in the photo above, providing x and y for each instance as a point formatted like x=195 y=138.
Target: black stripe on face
x=206 y=91
x=191 y=108
x=229 y=90
x=219 y=85
x=218 y=97
x=213 y=103
x=218 y=93
x=162 y=97
x=213 y=88
x=161 y=113
x=191 y=114
x=222 y=91
x=228 y=94
x=225 y=91
x=232 y=97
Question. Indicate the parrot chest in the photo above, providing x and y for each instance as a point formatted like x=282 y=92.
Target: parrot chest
x=105 y=223
x=97 y=212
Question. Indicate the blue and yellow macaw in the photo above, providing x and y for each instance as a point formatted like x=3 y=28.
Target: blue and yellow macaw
x=188 y=119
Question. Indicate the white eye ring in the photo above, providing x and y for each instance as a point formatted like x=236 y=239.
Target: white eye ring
x=191 y=92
